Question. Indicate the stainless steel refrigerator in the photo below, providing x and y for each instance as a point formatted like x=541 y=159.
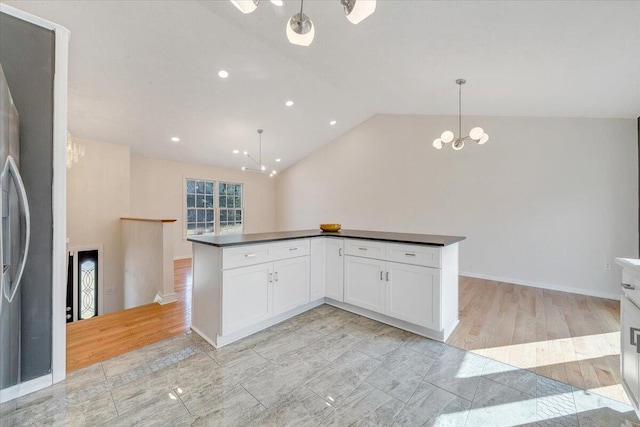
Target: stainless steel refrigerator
x=14 y=235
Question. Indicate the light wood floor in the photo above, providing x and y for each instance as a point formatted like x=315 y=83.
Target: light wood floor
x=568 y=337
x=100 y=338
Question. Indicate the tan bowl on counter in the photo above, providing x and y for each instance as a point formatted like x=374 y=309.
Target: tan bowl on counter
x=330 y=227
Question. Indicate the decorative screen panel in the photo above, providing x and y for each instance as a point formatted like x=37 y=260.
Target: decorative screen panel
x=87 y=284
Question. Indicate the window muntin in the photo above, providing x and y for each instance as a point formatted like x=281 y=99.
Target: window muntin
x=231 y=208
x=200 y=208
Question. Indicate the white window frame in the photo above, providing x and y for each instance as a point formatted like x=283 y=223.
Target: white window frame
x=216 y=205
x=218 y=227
x=184 y=206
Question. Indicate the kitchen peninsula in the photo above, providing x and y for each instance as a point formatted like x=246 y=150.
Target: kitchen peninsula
x=248 y=282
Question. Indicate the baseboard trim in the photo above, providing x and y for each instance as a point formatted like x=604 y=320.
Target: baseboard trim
x=22 y=389
x=579 y=291
x=250 y=330
x=401 y=324
x=165 y=299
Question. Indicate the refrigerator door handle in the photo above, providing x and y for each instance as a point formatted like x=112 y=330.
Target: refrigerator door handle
x=12 y=169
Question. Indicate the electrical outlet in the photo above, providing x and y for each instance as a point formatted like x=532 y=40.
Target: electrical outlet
x=110 y=291
x=607 y=266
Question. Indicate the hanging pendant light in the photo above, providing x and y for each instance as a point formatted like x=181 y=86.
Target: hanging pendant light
x=300 y=29
x=476 y=134
x=75 y=151
x=246 y=6
x=358 y=10
x=259 y=167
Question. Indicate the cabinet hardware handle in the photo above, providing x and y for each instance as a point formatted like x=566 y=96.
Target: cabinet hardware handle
x=271 y=277
x=634 y=336
x=387 y=276
x=276 y=276
x=249 y=255
x=381 y=273
x=409 y=254
x=340 y=252
x=363 y=249
x=293 y=249
x=628 y=286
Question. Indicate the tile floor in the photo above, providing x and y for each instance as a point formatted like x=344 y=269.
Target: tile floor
x=324 y=367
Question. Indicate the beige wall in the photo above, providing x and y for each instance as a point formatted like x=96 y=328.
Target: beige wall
x=545 y=202
x=97 y=196
x=157 y=192
x=109 y=183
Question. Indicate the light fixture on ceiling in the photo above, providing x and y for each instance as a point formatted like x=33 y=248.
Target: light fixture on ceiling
x=476 y=134
x=300 y=30
x=289 y=103
x=278 y=160
x=259 y=167
x=75 y=151
x=236 y=151
x=223 y=74
x=175 y=139
x=332 y=123
x=358 y=10
x=246 y=6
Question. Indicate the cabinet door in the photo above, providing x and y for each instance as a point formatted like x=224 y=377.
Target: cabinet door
x=334 y=269
x=630 y=330
x=317 y=269
x=247 y=296
x=364 y=283
x=290 y=284
x=413 y=294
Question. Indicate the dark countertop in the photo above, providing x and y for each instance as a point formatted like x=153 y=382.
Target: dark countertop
x=248 y=239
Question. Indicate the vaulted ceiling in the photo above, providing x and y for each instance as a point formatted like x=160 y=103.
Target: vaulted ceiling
x=141 y=72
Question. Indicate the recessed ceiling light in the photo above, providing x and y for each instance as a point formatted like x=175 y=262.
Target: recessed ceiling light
x=278 y=160
x=277 y=2
x=236 y=151
x=223 y=74
x=332 y=122
x=175 y=139
x=289 y=103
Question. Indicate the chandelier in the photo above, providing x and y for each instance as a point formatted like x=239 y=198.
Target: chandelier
x=75 y=151
x=259 y=167
x=476 y=134
x=300 y=29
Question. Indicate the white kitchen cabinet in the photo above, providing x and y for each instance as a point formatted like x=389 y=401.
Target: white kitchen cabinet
x=629 y=336
x=413 y=294
x=247 y=296
x=334 y=269
x=630 y=329
x=317 y=269
x=242 y=288
x=364 y=282
x=290 y=284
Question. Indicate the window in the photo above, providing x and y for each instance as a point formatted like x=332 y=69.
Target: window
x=230 y=206
x=200 y=215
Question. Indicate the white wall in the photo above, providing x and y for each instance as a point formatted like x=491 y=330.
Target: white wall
x=97 y=196
x=157 y=192
x=545 y=202
x=147 y=249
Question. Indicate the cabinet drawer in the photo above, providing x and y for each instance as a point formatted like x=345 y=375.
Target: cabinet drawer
x=291 y=249
x=246 y=255
x=427 y=256
x=364 y=248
